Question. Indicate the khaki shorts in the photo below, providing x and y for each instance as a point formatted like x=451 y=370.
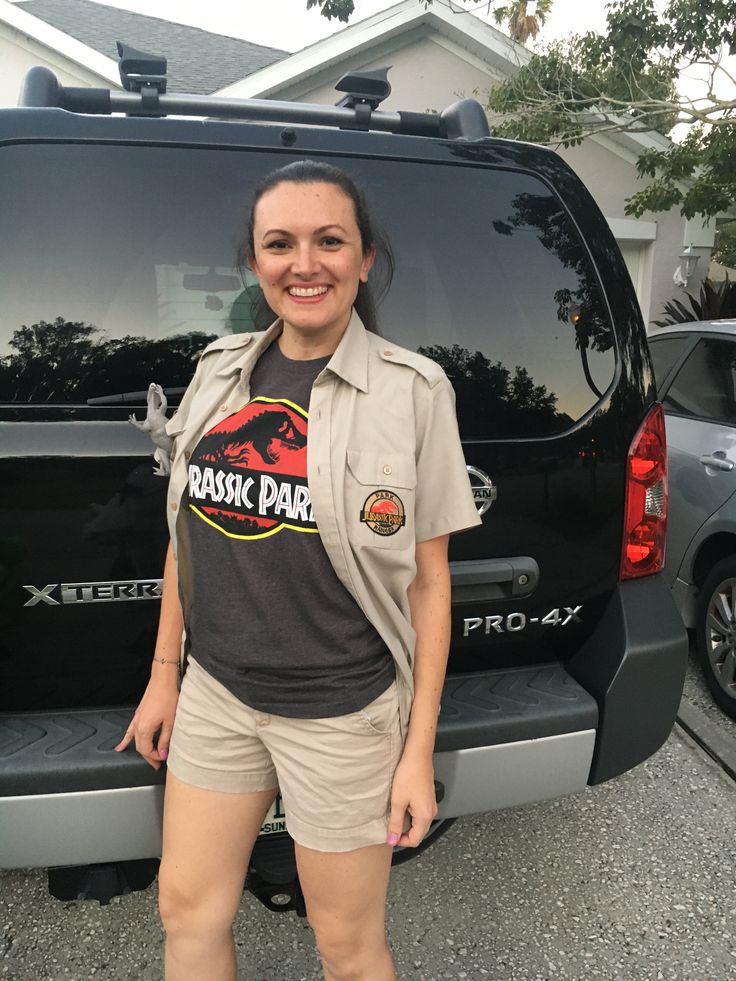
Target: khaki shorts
x=334 y=774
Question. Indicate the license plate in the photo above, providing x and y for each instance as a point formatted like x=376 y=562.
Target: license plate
x=274 y=821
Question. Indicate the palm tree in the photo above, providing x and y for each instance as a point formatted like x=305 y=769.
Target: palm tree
x=524 y=17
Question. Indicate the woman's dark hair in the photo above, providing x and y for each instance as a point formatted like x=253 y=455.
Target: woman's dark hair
x=315 y=172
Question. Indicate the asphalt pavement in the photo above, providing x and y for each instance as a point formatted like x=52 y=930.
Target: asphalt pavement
x=629 y=881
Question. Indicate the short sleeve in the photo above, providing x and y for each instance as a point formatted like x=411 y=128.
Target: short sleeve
x=444 y=497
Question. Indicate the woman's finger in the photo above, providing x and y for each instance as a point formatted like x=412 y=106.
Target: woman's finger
x=396 y=822
x=144 y=743
x=415 y=835
x=164 y=739
x=127 y=739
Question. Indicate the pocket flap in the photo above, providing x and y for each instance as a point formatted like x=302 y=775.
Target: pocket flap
x=376 y=469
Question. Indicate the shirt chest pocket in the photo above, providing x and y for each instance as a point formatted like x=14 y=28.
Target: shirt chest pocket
x=380 y=490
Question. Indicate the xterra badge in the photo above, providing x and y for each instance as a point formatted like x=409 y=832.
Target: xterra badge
x=383 y=512
x=95 y=592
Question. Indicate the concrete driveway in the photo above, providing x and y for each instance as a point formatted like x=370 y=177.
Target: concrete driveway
x=629 y=881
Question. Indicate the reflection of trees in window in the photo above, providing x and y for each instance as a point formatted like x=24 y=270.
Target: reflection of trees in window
x=493 y=402
x=579 y=306
x=65 y=361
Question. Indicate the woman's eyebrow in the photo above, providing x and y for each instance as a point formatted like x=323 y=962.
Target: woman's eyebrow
x=317 y=231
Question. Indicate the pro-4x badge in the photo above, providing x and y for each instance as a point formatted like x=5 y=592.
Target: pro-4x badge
x=383 y=512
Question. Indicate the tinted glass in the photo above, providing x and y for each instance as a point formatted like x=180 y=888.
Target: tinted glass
x=117 y=265
x=705 y=385
x=664 y=354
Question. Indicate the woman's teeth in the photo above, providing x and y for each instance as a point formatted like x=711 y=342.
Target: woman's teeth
x=307 y=291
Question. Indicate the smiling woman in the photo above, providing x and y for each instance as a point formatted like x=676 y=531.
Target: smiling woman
x=309 y=272
x=309 y=546
x=289 y=244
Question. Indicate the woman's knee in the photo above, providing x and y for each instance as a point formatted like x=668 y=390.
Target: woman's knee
x=348 y=952
x=191 y=910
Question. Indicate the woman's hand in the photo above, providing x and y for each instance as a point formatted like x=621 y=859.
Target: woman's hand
x=412 y=793
x=155 y=712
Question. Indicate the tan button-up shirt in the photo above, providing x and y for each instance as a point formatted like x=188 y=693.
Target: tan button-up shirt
x=385 y=466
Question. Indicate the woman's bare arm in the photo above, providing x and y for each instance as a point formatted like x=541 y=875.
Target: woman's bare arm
x=158 y=705
x=429 y=602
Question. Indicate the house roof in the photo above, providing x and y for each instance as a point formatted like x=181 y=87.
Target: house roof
x=198 y=62
x=471 y=37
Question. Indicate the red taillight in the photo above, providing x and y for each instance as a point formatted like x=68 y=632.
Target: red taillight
x=645 y=520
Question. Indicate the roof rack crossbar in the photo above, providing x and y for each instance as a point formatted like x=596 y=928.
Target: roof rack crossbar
x=267 y=110
x=464 y=120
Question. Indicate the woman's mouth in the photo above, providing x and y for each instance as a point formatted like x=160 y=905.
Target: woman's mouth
x=306 y=292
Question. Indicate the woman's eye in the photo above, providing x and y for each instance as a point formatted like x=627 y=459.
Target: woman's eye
x=331 y=240
x=277 y=244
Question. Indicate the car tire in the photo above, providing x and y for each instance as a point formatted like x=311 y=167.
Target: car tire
x=715 y=633
x=436 y=830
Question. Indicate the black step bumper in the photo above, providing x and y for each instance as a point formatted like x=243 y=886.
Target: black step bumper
x=545 y=730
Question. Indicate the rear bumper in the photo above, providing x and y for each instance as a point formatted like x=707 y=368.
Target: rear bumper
x=505 y=738
x=634 y=666
x=82 y=828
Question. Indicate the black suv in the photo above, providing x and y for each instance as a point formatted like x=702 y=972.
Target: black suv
x=121 y=216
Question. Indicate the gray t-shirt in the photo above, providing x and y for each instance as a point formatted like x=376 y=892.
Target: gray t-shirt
x=269 y=618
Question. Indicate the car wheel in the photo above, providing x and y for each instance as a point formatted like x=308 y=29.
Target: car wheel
x=716 y=633
x=436 y=830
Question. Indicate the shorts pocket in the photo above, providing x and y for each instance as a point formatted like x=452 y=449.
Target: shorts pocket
x=381 y=716
x=380 y=492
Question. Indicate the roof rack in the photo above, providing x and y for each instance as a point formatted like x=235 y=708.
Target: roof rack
x=144 y=80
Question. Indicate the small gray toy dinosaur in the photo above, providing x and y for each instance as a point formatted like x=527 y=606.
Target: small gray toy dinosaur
x=154 y=424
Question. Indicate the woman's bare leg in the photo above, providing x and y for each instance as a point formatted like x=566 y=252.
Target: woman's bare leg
x=208 y=838
x=345 y=894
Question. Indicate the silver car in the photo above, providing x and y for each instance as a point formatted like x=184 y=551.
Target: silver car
x=695 y=368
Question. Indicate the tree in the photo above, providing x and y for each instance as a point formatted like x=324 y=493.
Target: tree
x=724 y=250
x=626 y=80
x=523 y=17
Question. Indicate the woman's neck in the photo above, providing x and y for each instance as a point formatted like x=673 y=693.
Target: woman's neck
x=301 y=345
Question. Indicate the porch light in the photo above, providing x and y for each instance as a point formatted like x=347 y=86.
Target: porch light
x=688 y=261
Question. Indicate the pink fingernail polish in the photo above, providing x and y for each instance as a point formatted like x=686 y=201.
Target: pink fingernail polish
x=163 y=753
x=393 y=839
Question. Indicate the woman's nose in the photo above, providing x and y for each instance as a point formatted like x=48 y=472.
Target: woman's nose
x=305 y=260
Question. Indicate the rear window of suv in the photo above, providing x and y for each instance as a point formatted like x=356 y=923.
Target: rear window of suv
x=117 y=265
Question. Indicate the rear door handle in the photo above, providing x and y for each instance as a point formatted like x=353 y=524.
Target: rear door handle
x=716 y=461
x=482 y=580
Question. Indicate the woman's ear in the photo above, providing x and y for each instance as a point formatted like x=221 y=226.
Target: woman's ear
x=367 y=264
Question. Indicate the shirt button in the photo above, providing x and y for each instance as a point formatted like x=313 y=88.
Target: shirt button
x=387 y=470
x=173 y=505
x=223 y=407
x=388 y=354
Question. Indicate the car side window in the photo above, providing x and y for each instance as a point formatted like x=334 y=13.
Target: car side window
x=665 y=352
x=705 y=386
